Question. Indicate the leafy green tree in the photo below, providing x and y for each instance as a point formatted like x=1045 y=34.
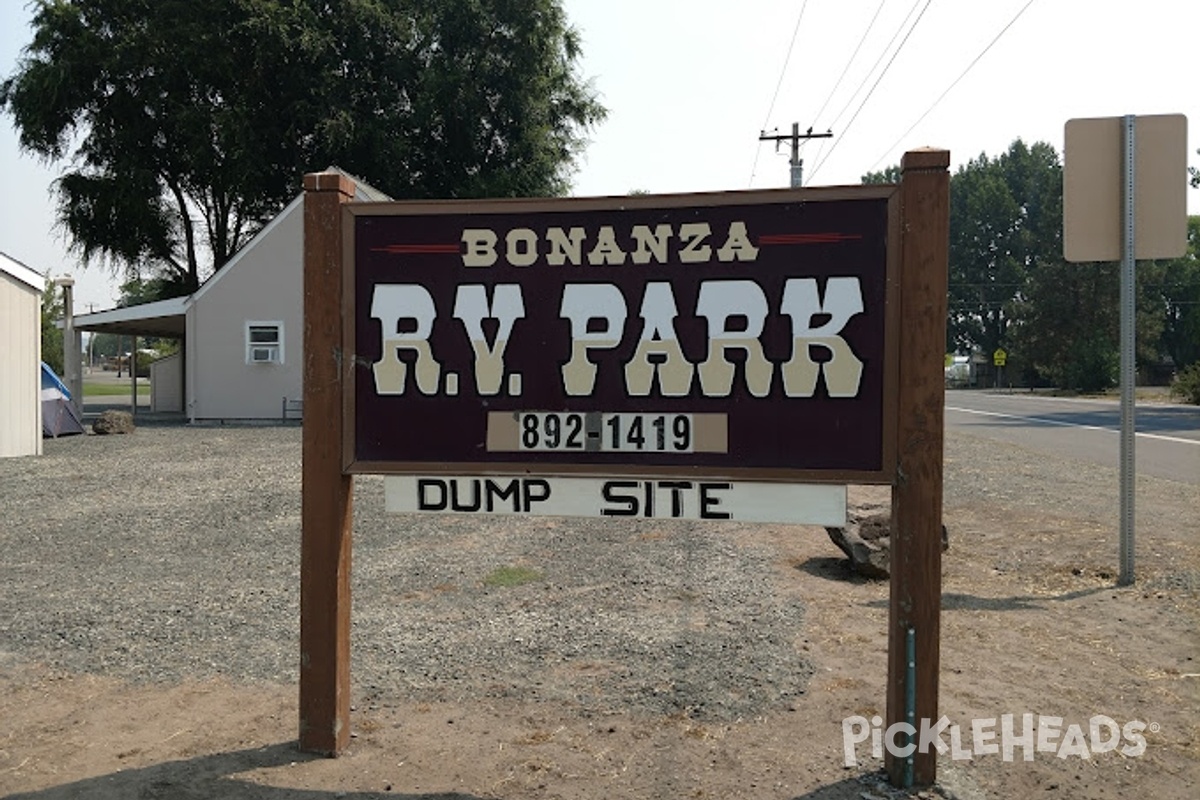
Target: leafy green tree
x=52 y=335
x=1068 y=324
x=1005 y=223
x=886 y=175
x=105 y=345
x=186 y=124
x=1174 y=288
x=1011 y=288
x=136 y=291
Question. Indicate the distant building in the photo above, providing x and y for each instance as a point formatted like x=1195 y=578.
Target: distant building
x=20 y=358
x=242 y=331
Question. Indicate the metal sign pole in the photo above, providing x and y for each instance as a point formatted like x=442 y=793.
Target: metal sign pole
x=1128 y=293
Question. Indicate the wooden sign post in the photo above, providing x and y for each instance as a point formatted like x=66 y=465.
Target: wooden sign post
x=554 y=415
x=916 y=532
x=327 y=491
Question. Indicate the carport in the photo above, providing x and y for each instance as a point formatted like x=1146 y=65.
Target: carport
x=165 y=319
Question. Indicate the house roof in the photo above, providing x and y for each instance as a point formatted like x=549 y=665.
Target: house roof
x=241 y=253
x=363 y=191
x=168 y=318
x=30 y=277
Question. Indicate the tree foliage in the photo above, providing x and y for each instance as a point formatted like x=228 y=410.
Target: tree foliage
x=105 y=345
x=52 y=335
x=886 y=175
x=1174 y=291
x=187 y=123
x=1005 y=225
x=1010 y=287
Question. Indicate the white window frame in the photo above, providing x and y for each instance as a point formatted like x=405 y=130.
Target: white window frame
x=276 y=347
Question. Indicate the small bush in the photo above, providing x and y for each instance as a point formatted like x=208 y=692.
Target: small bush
x=1093 y=367
x=1186 y=386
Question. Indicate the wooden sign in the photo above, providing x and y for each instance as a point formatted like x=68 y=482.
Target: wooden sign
x=701 y=354
x=737 y=335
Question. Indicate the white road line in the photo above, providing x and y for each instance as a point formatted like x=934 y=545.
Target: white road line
x=1044 y=421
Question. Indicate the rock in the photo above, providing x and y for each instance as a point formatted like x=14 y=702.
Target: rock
x=113 y=422
x=866 y=542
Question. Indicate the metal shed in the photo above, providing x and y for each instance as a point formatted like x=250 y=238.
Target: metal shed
x=20 y=358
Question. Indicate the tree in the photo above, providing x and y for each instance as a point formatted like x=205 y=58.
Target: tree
x=52 y=335
x=1010 y=287
x=1175 y=290
x=1005 y=222
x=105 y=345
x=887 y=175
x=136 y=291
x=187 y=123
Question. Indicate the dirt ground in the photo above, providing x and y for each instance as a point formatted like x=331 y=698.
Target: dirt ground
x=1032 y=622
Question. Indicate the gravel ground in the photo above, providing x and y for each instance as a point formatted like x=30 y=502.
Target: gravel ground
x=643 y=659
x=174 y=552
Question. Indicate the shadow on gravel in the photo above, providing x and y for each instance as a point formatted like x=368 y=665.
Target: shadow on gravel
x=958 y=601
x=210 y=777
x=869 y=786
x=833 y=569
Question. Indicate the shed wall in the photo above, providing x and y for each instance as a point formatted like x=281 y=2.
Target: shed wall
x=20 y=372
x=166 y=384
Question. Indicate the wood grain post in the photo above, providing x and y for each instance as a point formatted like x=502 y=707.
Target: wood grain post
x=326 y=505
x=916 y=540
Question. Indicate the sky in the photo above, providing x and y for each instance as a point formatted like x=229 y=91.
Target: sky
x=691 y=84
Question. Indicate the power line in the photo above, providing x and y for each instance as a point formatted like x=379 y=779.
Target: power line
x=953 y=84
x=882 y=54
x=778 y=85
x=873 y=87
x=846 y=68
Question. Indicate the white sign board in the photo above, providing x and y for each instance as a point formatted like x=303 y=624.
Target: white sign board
x=647 y=498
x=1093 y=173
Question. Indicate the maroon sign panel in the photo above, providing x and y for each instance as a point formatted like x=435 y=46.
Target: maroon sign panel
x=740 y=334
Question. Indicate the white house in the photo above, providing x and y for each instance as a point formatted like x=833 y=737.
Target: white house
x=20 y=358
x=242 y=331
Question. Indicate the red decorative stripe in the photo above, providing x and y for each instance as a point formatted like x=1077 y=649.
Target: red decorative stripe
x=807 y=238
x=418 y=249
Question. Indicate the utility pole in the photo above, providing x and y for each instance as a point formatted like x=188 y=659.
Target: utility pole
x=795 y=137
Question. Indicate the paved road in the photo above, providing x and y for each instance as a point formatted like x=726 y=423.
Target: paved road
x=1167 y=443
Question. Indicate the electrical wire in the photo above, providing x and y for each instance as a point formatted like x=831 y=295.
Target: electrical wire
x=778 y=85
x=873 y=87
x=853 y=56
x=837 y=84
x=882 y=54
x=954 y=83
